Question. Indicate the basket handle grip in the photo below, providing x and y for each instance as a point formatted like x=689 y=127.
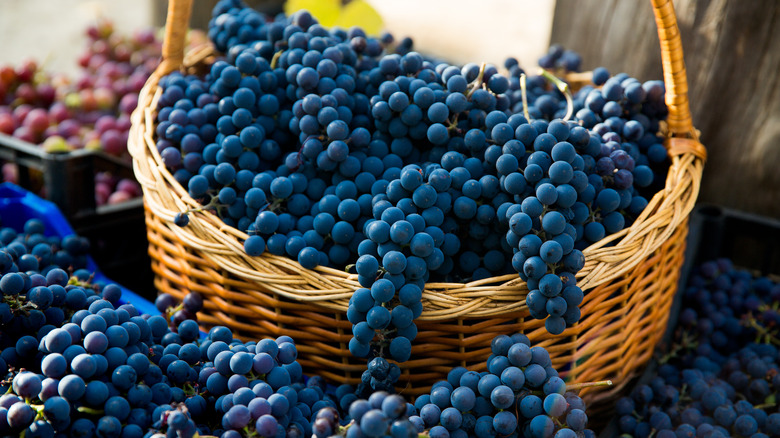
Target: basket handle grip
x=683 y=137
x=176 y=24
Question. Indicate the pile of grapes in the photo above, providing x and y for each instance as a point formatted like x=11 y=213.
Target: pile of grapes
x=336 y=148
x=79 y=362
x=722 y=375
x=91 y=111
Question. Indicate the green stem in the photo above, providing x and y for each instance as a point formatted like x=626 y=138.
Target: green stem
x=524 y=92
x=275 y=59
x=563 y=87
x=478 y=81
x=92 y=411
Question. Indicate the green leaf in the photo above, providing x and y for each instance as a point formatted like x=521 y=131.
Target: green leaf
x=326 y=11
x=360 y=13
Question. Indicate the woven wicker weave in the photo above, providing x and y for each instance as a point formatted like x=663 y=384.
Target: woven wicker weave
x=629 y=278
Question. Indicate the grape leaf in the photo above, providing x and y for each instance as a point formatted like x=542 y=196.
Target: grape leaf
x=360 y=13
x=326 y=12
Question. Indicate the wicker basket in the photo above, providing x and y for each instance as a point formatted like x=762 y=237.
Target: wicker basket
x=629 y=285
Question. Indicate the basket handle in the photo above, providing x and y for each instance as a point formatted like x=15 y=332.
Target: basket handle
x=683 y=137
x=176 y=24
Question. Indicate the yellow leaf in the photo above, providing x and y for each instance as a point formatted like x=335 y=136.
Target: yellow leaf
x=325 y=11
x=360 y=13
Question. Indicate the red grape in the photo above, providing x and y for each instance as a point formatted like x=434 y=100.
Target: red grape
x=6 y=123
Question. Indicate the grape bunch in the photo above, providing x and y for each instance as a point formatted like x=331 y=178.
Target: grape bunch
x=90 y=111
x=381 y=414
x=92 y=365
x=335 y=148
x=557 y=57
x=721 y=377
x=109 y=189
x=519 y=395
x=177 y=312
x=78 y=361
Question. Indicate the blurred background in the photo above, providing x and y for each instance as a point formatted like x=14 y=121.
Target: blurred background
x=458 y=31
x=732 y=51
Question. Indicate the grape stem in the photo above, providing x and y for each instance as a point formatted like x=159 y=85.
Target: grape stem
x=524 y=92
x=688 y=341
x=212 y=205
x=272 y=206
x=275 y=59
x=478 y=81
x=563 y=87
x=92 y=411
x=764 y=334
x=578 y=386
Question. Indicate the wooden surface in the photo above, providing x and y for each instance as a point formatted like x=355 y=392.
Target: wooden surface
x=732 y=52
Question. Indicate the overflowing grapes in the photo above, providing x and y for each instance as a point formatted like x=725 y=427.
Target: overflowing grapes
x=80 y=362
x=722 y=375
x=339 y=149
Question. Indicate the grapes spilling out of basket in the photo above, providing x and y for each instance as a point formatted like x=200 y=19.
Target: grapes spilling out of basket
x=721 y=377
x=336 y=148
x=78 y=361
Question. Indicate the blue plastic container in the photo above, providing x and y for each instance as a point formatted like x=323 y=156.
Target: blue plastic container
x=17 y=205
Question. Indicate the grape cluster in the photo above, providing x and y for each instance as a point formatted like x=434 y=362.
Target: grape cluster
x=381 y=414
x=557 y=57
x=29 y=262
x=520 y=394
x=338 y=149
x=109 y=189
x=41 y=107
x=77 y=361
x=722 y=375
x=177 y=312
x=89 y=111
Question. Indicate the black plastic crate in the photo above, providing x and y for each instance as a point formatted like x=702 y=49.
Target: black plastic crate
x=750 y=241
x=117 y=232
